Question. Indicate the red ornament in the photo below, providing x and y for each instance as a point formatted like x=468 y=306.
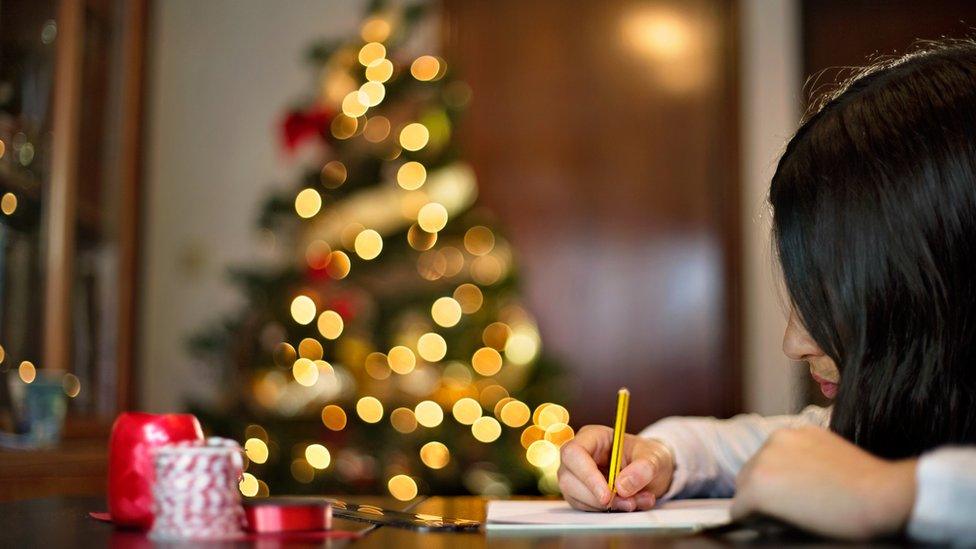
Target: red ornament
x=300 y=126
x=345 y=307
x=130 y=466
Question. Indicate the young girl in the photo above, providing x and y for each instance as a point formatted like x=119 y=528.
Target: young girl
x=874 y=220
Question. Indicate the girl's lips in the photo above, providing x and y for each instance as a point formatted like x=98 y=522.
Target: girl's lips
x=828 y=388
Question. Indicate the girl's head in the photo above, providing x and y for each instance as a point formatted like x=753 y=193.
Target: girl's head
x=874 y=221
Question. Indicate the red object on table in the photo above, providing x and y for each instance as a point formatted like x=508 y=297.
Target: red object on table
x=277 y=515
x=130 y=465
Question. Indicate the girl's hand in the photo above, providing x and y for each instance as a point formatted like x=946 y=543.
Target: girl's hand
x=645 y=471
x=816 y=480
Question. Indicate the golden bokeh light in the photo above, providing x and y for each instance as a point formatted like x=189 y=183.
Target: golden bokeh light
x=303 y=309
x=330 y=324
x=431 y=347
x=401 y=360
x=334 y=173
x=403 y=420
x=3 y=353
x=71 y=385
x=318 y=254
x=248 y=485
x=334 y=417
x=500 y=405
x=420 y=239
x=8 y=204
x=435 y=455
x=425 y=68
x=431 y=265
x=432 y=217
x=317 y=456
x=336 y=84
x=542 y=454
x=355 y=104
x=456 y=374
x=256 y=450
x=369 y=409
x=469 y=297
x=466 y=410
x=429 y=413
x=308 y=202
x=377 y=366
x=311 y=349
x=305 y=372
x=487 y=270
x=302 y=471
x=374 y=92
x=377 y=129
x=402 y=487
x=27 y=371
x=522 y=346
x=414 y=136
x=531 y=434
x=515 y=413
x=495 y=335
x=339 y=265
x=375 y=29
x=256 y=431
x=548 y=414
x=344 y=127
x=368 y=244
x=491 y=395
x=479 y=240
x=446 y=312
x=486 y=429
x=411 y=175
x=559 y=433
x=453 y=260
x=380 y=71
x=371 y=53
x=324 y=367
x=486 y=361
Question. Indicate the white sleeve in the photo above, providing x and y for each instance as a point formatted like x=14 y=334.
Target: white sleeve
x=945 y=497
x=709 y=452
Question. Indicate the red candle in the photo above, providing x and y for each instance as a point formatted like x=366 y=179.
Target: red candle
x=130 y=464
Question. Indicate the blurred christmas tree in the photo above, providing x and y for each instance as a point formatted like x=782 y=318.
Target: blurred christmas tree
x=390 y=351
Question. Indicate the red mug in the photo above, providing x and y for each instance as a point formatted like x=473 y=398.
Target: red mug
x=130 y=466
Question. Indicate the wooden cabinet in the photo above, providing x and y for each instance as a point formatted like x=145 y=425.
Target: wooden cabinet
x=71 y=88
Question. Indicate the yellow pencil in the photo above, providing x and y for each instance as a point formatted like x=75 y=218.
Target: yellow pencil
x=619 y=430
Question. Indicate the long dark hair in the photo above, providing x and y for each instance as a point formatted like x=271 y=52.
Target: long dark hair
x=874 y=222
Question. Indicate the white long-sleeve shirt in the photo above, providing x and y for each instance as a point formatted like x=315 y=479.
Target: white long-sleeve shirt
x=709 y=452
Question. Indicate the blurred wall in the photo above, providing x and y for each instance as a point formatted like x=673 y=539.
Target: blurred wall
x=221 y=73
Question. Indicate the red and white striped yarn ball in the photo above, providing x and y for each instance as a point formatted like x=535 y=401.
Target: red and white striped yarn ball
x=196 y=493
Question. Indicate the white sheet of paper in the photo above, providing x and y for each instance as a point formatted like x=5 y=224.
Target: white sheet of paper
x=688 y=514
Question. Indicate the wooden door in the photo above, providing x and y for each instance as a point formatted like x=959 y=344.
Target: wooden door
x=604 y=137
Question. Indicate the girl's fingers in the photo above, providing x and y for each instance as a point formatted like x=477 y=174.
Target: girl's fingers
x=575 y=460
x=577 y=504
x=636 y=476
x=572 y=487
x=645 y=500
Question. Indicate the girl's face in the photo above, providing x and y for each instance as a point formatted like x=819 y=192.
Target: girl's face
x=799 y=346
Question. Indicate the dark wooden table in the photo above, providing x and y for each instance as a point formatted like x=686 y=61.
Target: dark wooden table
x=50 y=523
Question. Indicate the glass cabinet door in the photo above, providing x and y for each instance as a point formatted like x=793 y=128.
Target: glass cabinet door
x=70 y=114
x=28 y=32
